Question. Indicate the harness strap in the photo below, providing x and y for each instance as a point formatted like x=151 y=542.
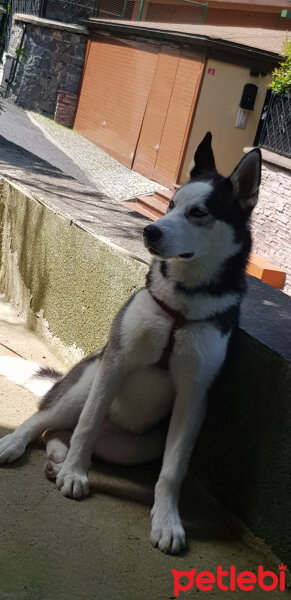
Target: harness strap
x=175 y=314
x=179 y=321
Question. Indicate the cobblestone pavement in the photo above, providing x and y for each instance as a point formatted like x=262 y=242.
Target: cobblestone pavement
x=107 y=174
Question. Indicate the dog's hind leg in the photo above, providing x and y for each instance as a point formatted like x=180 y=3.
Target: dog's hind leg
x=62 y=415
x=57 y=447
x=60 y=410
x=115 y=445
x=121 y=447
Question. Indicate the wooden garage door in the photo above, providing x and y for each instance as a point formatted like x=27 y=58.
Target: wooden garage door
x=156 y=111
x=115 y=89
x=168 y=115
x=179 y=116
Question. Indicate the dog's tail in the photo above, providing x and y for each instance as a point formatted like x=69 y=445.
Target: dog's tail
x=39 y=380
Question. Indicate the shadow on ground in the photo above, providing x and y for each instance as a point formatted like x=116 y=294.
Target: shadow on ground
x=87 y=207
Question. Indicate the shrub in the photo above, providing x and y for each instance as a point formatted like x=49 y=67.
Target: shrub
x=281 y=81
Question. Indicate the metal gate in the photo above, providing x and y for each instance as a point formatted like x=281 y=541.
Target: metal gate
x=182 y=11
x=68 y=11
x=275 y=133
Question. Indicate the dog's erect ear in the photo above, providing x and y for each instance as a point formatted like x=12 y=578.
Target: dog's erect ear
x=203 y=157
x=246 y=179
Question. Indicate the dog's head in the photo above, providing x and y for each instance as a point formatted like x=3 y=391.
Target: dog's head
x=209 y=215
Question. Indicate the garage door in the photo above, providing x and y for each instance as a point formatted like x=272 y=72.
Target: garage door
x=115 y=89
x=156 y=111
x=169 y=114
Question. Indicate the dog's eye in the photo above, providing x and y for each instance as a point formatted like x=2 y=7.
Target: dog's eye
x=197 y=212
x=171 y=204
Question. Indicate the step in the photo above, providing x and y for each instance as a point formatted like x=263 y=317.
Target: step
x=164 y=195
x=149 y=206
x=262 y=269
x=141 y=209
x=154 y=204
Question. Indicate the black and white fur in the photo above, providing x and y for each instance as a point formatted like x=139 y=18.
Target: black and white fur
x=114 y=403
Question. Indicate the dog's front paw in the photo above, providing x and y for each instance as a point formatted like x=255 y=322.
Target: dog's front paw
x=72 y=483
x=167 y=532
x=11 y=448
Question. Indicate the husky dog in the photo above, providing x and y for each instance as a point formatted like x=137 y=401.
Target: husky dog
x=165 y=348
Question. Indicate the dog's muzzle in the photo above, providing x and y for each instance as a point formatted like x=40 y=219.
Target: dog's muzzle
x=151 y=235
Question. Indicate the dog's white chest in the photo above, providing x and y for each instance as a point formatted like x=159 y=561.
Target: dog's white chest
x=144 y=332
x=146 y=396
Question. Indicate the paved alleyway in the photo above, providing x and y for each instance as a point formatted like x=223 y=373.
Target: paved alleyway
x=71 y=153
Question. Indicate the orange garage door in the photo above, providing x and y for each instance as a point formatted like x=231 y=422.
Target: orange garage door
x=115 y=89
x=169 y=114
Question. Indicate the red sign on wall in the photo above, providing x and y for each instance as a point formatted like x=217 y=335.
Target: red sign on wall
x=211 y=71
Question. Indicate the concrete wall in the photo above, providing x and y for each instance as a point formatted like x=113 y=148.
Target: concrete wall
x=69 y=284
x=216 y=112
x=243 y=455
x=272 y=218
x=51 y=62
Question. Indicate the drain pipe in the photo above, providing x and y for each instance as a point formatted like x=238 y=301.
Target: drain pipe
x=140 y=10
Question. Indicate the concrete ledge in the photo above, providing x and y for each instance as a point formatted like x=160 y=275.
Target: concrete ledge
x=243 y=456
x=39 y=22
x=262 y=269
x=69 y=284
x=83 y=206
x=273 y=158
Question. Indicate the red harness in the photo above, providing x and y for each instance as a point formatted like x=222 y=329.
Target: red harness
x=179 y=321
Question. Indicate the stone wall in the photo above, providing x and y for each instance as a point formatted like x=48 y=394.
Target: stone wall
x=272 y=216
x=51 y=60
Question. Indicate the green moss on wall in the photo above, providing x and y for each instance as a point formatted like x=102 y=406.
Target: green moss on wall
x=78 y=281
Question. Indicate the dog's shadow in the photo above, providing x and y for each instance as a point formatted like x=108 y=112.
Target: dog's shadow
x=132 y=483
x=136 y=484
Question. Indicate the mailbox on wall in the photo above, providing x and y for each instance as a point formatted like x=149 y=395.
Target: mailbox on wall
x=249 y=96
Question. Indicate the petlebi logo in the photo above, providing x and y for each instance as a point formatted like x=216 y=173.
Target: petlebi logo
x=228 y=580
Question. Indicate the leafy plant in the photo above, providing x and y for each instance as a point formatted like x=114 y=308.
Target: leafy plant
x=281 y=81
x=21 y=52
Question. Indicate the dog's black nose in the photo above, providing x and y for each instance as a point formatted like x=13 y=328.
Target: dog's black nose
x=152 y=233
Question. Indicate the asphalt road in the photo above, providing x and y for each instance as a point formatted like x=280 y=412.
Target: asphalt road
x=16 y=127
